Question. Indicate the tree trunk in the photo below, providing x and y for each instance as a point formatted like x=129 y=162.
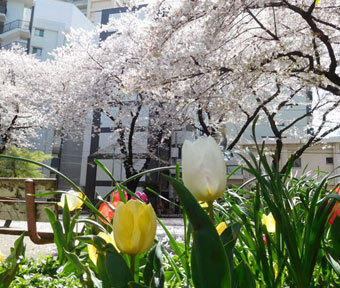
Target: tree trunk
x=132 y=185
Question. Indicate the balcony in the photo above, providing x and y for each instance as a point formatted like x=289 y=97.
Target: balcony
x=16 y=24
x=15 y=29
x=27 y=3
x=10 y=45
x=3 y=11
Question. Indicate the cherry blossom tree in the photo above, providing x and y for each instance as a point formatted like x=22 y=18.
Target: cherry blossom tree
x=231 y=61
x=203 y=63
x=84 y=81
x=22 y=112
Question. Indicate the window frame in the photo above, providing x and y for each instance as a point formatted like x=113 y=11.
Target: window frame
x=297 y=163
x=36 y=49
x=39 y=32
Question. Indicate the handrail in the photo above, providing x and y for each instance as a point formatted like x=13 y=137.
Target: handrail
x=3 y=9
x=9 y=45
x=15 y=24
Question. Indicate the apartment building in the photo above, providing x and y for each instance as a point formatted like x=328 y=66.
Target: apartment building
x=38 y=25
x=80 y=4
x=51 y=20
x=15 y=18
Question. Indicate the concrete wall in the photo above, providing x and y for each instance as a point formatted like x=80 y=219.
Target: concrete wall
x=15 y=11
x=313 y=159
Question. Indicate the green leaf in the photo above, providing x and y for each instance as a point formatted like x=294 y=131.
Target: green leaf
x=136 y=285
x=229 y=238
x=176 y=247
x=244 y=277
x=117 y=270
x=92 y=222
x=59 y=238
x=106 y=171
x=209 y=261
x=95 y=240
x=334 y=263
x=74 y=221
x=7 y=276
x=66 y=217
x=153 y=272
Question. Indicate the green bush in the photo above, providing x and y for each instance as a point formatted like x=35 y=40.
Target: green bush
x=43 y=273
x=21 y=169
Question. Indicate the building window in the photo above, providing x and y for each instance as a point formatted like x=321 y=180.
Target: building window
x=297 y=163
x=39 y=32
x=37 y=51
x=329 y=160
x=310 y=95
x=310 y=131
x=308 y=109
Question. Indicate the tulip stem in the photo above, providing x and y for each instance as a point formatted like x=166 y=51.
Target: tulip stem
x=211 y=210
x=132 y=265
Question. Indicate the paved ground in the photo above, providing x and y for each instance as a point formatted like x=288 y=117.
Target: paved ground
x=174 y=225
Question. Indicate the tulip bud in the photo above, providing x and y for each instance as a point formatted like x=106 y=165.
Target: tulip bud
x=134 y=227
x=73 y=200
x=204 y=169
x=269 y=222
x=142 y=196
x=264 y=237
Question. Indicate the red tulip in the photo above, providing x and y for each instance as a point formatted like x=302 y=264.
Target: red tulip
x=336 y=209
x=106 y=211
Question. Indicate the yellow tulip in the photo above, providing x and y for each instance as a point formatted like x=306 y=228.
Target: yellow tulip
x=73 y=200
x=93 y=250
x=1 y=258
x=134 y=227
x=221 y=227
x=204 y=169
x=269 y=222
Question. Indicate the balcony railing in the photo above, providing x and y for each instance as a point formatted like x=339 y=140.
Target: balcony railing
x=20 y=43
x=231 y=168
x=3 y=9
x=16 y=24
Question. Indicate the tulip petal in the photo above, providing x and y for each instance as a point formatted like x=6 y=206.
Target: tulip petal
x=147 y=219
x=204 y=169
x=134 y=226
x=73 y=200
x=221 y=227
x=269 y=222
x=123 y=227
x=92 y=253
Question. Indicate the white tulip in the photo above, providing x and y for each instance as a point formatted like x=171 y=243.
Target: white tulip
x=204 y=169
x=73 y=200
